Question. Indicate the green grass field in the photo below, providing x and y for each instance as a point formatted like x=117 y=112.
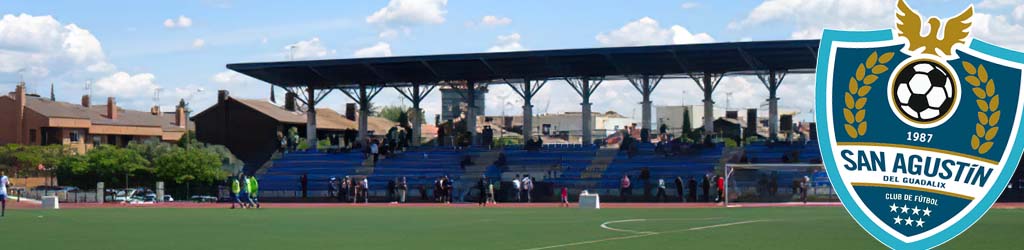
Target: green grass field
x=465 y=228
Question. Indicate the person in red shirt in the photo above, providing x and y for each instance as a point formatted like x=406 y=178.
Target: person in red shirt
x=721 y=188
x=565 y=196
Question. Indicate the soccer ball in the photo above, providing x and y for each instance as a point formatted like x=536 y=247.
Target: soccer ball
x=923 y=91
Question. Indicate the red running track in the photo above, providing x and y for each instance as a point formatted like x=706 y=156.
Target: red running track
x=31 y=205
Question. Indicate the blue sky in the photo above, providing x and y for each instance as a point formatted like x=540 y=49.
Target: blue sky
x=127 y=49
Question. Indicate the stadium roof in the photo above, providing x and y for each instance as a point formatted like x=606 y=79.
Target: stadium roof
x=677 y=61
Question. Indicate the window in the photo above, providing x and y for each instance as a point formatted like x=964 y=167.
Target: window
x=96 y=140
x=74 y=136
x=32 y=135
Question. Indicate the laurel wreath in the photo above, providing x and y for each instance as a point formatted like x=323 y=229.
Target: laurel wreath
x=856 y=97
x=988 y=107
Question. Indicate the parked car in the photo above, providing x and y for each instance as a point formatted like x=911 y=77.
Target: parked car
x=203 y=198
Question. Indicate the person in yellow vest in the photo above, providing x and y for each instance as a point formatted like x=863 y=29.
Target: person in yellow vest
x=253 y=188
x=236 y=188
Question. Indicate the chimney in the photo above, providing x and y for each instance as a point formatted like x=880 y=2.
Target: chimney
x=19 y=97
x=155 y=110
x=85 y=101
x=111 y=108
x=222 y=95
x=179 y=117
x=289 y=101
x=350 y=111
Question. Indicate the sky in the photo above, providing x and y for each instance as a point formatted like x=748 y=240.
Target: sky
x=137 y=51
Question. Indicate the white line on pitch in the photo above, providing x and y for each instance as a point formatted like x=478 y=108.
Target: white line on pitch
x=638 y=234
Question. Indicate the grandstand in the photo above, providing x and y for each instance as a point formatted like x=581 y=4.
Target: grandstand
x=572 y=165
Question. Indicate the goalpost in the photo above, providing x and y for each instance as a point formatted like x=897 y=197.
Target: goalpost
x=763 y=182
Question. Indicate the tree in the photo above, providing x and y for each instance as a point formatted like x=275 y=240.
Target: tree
x=229 y=163
x=393 y=113
x=109 y=162
x=186 y=165
x=687 y=127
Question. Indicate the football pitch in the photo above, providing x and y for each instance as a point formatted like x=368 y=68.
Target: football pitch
x=466 y=228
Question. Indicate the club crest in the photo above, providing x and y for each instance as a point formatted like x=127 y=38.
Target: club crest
x=919 y=125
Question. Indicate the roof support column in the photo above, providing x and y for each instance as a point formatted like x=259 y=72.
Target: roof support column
x=527 y=90
x=364 y=98
x=585 y=87
x=646 y=85
x=471 y=112
x=416 y=94
x=773 y=82
x=311 y=118
x=707 y=83
x=311 y=98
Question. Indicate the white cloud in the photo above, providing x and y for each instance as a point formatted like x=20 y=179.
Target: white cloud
x=40 y=46
x=263 y=40
x=410 y=12
x=311 y=48
x=810 y=17
x=647 y=31
x=198 y=43
x=388 y=34
x=689 y=5
x=508 y=42
x=229 y=77
x=181 y=22
x=681 y=35
x=1018 y=12
x=123 y=84
x=495 y=21
x=998 y=29
x=996 y=4
x=377 y=50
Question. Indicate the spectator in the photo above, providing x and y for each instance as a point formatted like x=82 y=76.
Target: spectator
x=517 y=187
x=706 y=185
x=392 y=188
x=692 y=184
x=660 y=196
x=448 y=190
x=343 y=189
x=366 y=190
x=804 y=185
x=565 y=196
x=332 y=186
x=482 y=185
x=720 y=181
x=375 y=151
x=403 y=187
x=528 y=187
x=304 y=184
x=624 y=185
x=490 y=193
x=679 y=188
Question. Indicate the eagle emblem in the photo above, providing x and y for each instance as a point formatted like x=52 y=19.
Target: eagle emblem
x=908 y=25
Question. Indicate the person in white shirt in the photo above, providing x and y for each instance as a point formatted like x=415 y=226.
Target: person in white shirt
x=528 y=187
x=375 y=151
x=4 y=183
x=661 y=191
x=366 y=190
x=517 y=187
